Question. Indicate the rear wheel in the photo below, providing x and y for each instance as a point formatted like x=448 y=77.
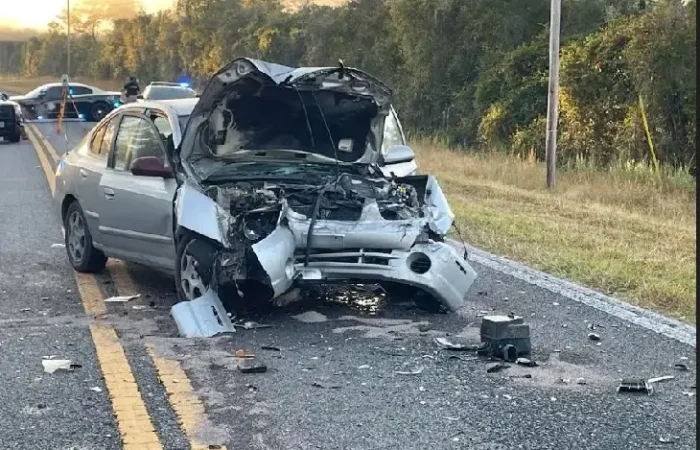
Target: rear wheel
x=81 y=253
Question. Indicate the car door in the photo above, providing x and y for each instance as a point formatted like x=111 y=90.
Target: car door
x=136 y=211
x=92 y=164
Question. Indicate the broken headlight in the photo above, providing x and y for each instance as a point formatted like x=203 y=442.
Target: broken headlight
x=258 y=226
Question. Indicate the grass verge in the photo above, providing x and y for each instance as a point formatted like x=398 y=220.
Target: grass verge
x=624 y=230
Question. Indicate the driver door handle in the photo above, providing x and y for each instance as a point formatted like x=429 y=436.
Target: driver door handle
x=109 y=193
x=83 y=173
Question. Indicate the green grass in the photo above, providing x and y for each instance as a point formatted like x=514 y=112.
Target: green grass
x=624 y=230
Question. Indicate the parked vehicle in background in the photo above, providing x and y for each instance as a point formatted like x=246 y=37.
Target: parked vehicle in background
x=162 y=90
x=11 y=121
x=280 y=178
x=91 y=103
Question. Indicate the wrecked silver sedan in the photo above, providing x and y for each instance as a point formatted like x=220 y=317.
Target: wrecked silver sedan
x=283 y=177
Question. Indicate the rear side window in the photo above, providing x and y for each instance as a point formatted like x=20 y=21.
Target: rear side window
x=106 y=144
x=80 y=90
x=96 y=142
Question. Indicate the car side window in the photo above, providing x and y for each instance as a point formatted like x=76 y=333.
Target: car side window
x=80 y=90
x=106 y=143
x=136 y=138
x=392 y=132
x=124 y=142
x=96 y=142
x=53 y=93
x=163 y=126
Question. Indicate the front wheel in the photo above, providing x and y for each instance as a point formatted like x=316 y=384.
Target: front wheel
x=98 y=111
x=195 y=265
x=81 y=253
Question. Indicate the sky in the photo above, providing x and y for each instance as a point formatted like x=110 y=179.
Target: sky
x=38 y=13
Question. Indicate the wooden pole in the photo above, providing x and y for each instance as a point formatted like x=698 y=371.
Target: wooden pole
x=552 y=95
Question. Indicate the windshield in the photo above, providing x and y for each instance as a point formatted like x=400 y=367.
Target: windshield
x=35 y=92
x=168 y=93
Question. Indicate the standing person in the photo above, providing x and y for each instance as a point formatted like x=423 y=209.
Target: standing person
x=131 y=89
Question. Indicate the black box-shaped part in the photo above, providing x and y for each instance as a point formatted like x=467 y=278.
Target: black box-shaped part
x=499 y=331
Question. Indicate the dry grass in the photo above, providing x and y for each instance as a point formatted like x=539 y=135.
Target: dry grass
x=622 y=231
x=22 y=85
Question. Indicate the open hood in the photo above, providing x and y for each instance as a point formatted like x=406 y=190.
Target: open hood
x=255 y=109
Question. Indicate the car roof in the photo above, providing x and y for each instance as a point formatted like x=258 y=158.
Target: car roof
x=181 y=106
x=166 y=83
x=49 y=85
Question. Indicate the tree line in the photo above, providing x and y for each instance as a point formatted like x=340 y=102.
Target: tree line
x=471 y=72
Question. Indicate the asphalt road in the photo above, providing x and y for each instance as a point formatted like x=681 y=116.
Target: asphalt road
x=334 y=383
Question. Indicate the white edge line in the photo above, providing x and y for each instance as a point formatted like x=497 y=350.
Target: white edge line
x=644 y=318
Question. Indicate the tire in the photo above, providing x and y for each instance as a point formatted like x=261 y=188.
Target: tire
x=16 y=136
x=98 y=111
x=82 y=255
x=195 y=264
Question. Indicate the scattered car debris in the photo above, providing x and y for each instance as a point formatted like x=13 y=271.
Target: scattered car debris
x=52 y=365
x=251 y=326
x=497 y=368
x=251 y=388
x=510 y=353
x=484 y=293
x=593 y=337
x=666 y=440
x=417 y=371
x=527 y=375
x=310 y=317
x=325 y=386
x=139 y=307
x=251 y=366
x=58 y=245
x=689 y=394
x=564 y=381
x=660 y=379
x=447 y=345
x=243 y=354
x=681 y=367
x=526 y=362
x=635 y=385
x=271 y=348
x=555 y=304
x=204 y=316
x=581 y=381
x=122 y=298
x=363 y=367
x=96 y=389
x=499 y=331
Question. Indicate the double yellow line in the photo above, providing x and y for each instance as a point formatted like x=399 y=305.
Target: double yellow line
x=133 y=420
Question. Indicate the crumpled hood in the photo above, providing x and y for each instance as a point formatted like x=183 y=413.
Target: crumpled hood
x=357 y=102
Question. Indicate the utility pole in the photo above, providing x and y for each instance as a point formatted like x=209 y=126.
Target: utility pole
x=552 y=95
x=68 y=37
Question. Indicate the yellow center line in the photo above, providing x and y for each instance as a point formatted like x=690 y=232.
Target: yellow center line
x=50 y=148
x=132 y=418
x=188 y=408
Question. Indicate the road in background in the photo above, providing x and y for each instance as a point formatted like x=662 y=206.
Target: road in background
x=338 y=381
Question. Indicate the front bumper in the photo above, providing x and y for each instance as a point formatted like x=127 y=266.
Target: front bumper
x=434 y=267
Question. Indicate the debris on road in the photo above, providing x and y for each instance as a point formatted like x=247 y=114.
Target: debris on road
x=581 y=381
x=593 y=337
x=58 y=245
x=204 y=316
x=310 y=317
x=417 y=371
x=271 y=348
x=497 y=368
x=635 y=385
x=659 y=379
x=251 y=366
x=510 y=353
x=527 y=375
x=52 y=365
x=666 y=440
x=499 y=331
x=251 y=325
x=681 y=366
x=526 y=362
x=325 y=386
x=243 y=354
x=96 y=389
x=363 y=367
x=447 y=345
x=122 y=298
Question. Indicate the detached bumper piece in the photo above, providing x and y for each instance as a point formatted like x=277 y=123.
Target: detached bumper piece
x=202 y=317
x=434 y=267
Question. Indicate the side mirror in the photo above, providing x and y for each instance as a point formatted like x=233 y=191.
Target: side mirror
x=150 y=166
x=140 y=96
x=398 y=154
